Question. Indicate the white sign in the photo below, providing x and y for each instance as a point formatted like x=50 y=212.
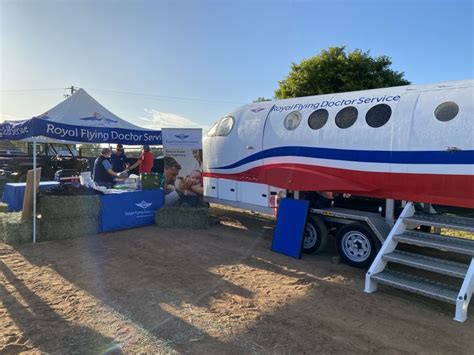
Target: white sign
x=184 y=138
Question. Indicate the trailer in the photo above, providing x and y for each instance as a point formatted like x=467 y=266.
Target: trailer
x=406 y=147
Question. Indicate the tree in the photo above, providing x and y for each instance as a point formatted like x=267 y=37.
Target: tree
x=335 y=70
x=260 y=99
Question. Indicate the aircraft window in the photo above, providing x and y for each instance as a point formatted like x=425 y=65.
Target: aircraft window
x=225 y=126
x=346 y=117
x=292 y=120
x=318 y=118
x=446 y=111
x=212 y=130
x=378 y=115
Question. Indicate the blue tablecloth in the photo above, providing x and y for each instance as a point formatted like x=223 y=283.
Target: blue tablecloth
x=129 y=209
x=13 y=193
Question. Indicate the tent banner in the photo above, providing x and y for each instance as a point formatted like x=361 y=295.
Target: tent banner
x=81 y=134
x=15 y=130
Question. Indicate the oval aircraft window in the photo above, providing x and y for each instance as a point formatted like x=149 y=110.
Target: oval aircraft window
x=225 y=126
x=446 y=111
x=346 y=117
x=378 y=115
x=318 y=119
x=292 y=120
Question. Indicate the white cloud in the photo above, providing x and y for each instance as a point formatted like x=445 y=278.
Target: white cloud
x=158 y=120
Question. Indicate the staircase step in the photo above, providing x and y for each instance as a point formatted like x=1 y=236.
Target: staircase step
x=436 y=241
x=428 y=263
x=417 y=285
x=442 y=221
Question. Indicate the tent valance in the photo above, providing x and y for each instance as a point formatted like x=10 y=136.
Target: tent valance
x=80 y=119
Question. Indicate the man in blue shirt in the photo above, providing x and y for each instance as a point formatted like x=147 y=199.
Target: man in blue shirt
x=103 y=173
x=119 y=159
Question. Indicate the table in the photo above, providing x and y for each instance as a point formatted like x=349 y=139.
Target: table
x=14 y=192
x=129 y=209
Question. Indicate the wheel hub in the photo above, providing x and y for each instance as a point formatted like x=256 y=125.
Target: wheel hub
x=356 y=246
x=310 y=237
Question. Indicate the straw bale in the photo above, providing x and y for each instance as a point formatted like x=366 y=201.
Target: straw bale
x=57 y=207
x=182 y=217
x=3 y=207
x=67 y=228
x=13 y=230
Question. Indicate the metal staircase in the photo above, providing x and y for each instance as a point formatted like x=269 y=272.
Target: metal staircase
x=392 y=256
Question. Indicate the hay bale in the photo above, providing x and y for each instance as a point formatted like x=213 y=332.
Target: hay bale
x=59 y=207
x=67 y=228
x=13 y=230
x=3 y=207
x=182 y=217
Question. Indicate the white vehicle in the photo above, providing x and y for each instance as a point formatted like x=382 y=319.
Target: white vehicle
x=410 y=143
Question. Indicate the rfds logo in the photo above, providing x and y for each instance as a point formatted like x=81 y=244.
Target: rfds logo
x=258 y=109
x=143 y=204
x=181 y=136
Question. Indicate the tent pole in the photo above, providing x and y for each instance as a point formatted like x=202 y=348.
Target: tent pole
x=34 y=191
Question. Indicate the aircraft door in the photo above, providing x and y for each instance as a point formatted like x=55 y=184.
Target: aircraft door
x=250 y=134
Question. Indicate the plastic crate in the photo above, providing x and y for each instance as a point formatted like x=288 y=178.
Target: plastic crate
x=150 y=181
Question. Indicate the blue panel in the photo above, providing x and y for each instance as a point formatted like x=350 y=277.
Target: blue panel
x=289 y=228
x=130 y=209
x=14 y=193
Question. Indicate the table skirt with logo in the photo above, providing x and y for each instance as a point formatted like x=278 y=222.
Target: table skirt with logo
x=130 y=209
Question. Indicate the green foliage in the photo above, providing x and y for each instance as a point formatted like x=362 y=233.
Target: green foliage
x=260 y=99
x=336 y=70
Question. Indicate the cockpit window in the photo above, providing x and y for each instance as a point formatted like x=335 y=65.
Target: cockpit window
x=225 y=126
x=222 y=128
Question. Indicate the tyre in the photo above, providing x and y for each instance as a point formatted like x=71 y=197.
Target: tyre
x=357 y=245
x=315 y=235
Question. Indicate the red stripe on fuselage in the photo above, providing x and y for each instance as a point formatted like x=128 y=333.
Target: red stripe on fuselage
x=452 y=190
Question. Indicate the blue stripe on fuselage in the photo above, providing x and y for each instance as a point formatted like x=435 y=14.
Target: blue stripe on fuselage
x=464 y=157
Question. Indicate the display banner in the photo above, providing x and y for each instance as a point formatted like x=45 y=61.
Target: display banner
x=129 y=209
x=182 y=148
x=71 y=133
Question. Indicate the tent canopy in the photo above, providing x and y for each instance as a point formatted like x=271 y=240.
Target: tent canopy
x=79 y=119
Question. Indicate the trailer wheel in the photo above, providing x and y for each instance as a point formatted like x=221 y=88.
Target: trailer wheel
x=357 y=245
x=315 y=235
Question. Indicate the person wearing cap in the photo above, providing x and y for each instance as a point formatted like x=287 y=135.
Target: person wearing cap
x=119 y=159
x=145 y=162
x=103 y=174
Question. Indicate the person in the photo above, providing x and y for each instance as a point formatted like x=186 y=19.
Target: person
x=103 y=174
x=145 y=162
x=196 y=188
x=171 y=172
x=119 y=159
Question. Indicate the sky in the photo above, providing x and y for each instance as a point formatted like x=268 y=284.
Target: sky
x=188 y=63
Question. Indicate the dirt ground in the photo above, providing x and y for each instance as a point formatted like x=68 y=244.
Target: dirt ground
x=220 y=290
